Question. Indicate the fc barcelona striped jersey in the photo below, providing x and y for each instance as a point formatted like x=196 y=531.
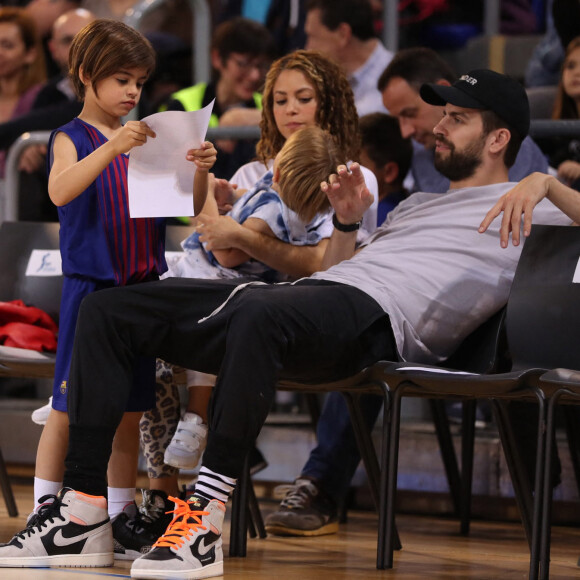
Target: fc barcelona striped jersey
x=98 y=239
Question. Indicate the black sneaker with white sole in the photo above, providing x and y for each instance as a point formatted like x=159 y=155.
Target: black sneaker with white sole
x=72 y=531
x=136 y=530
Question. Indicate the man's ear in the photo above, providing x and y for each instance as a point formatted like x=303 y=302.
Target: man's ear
x=216 y=60
x=443 y=82
x=501 y=138
x=275 y=175
x=390 y=172
x=344 y=32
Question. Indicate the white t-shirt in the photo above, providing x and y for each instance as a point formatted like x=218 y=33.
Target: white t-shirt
x=250 y=173
x=433 y=273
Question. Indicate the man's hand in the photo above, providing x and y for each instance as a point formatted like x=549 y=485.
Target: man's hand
x=204 y=157
x=218 y=232
x=348 y=194
x=518 y=201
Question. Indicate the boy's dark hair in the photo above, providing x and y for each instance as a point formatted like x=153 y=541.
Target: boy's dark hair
x=382 y=141
x=417 y=66
x=358 y=14
x=244 y=36
x=105 y=47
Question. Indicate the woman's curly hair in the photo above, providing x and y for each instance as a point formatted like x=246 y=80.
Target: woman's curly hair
x=336 y=112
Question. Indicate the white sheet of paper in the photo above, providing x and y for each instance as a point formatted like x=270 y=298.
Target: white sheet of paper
x=160 y=179
x=44 y=263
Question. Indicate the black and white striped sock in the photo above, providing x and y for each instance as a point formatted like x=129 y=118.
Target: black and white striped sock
x=213 y=485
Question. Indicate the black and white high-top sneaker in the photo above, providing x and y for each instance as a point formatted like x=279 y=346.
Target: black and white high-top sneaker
x=191 y=547
x=72 y=531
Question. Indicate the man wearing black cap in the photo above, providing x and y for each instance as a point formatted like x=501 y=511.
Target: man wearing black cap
x=482 y=104
x=400 y=84
x=422 y=282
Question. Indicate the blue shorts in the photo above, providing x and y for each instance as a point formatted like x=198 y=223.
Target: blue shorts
x=142 y=396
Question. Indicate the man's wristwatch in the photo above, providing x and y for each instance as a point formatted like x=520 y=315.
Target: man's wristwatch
x=345 y=227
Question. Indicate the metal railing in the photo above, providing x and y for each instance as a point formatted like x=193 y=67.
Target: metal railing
x=10 y=194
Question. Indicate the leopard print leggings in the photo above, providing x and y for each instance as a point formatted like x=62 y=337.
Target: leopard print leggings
x=158 y=425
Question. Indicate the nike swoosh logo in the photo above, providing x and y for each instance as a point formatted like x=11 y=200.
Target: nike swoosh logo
x=60 y=541
x=202 y=548
x=55 y=542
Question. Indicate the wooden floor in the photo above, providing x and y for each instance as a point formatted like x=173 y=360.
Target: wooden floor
x=432 y=549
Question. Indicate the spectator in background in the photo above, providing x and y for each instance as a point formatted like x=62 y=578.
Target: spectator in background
x=388 y=156
x=343 y=30
x=44 y=13
x=241 y=53
x=562 y=25
x=564 y=152
x=22 y=68
x=55 y=105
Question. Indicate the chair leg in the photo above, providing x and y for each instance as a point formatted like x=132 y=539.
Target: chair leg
x=448 y=455
x=467 y=453
x=257 y=528
x=7 y=489
x=239 y=520
x=546 y=519
x=520 y=481
x=313 y=404
x=390 y=460
x=368 y=454
x=540 y=488
x=572 y=422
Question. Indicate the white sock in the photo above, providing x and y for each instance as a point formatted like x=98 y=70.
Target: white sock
x=44 y=487
x=212 y=485
x=118 y=499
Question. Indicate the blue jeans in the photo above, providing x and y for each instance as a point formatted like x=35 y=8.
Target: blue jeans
x=335 y=458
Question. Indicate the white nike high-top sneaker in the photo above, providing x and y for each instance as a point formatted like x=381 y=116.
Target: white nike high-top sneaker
x=74 y=530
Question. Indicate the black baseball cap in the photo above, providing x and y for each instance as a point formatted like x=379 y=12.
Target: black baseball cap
x=485 y=89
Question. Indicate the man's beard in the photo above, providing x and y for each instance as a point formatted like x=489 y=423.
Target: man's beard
x=459 y=165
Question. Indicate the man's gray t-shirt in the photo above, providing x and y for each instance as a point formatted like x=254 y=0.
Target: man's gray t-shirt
x=433 y=273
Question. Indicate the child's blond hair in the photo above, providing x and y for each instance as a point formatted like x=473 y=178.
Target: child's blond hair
x=307 y=159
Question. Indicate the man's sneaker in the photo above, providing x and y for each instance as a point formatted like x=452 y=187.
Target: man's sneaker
x=185 y=449
x=135 y=530
x=191 y=547
x=40 y=416
x=305 y=511
x=74 y=530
